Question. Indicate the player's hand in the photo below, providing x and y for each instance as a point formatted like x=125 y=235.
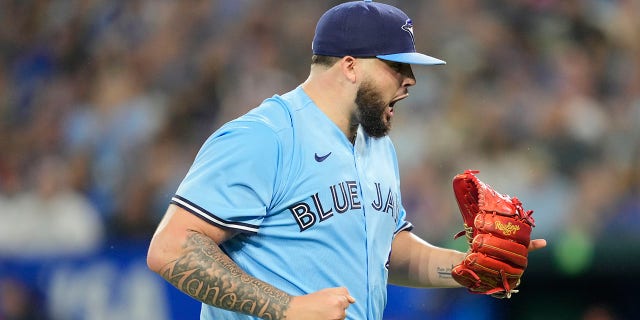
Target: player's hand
x=536 y=244
x=326 y=304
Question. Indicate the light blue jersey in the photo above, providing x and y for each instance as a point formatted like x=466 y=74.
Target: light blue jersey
x=315 y=211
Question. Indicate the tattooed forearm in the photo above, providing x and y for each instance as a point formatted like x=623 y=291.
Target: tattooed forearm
x=209 y=275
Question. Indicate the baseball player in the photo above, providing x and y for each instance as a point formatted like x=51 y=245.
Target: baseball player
x=294 y=209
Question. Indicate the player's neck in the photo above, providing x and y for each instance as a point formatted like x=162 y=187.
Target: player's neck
x=333 y=100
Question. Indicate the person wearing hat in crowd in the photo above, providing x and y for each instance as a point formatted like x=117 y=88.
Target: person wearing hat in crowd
x=294 y=210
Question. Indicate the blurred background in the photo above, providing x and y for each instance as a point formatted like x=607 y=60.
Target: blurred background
x=104 y=104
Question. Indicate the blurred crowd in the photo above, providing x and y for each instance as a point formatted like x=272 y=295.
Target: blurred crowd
x=104 y=104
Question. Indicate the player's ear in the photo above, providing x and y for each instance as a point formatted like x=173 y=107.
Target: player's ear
x=348 y=67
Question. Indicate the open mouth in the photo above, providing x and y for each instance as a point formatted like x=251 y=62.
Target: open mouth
x=393 y=103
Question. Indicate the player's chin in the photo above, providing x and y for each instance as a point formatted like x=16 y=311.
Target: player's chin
x=387 y=122
x=388 y=114
x=388 y=117
x=378 y=130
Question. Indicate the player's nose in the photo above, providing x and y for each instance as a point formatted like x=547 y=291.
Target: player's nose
x=409 y=79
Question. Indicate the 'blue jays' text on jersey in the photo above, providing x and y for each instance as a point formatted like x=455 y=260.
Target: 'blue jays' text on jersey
x=315 y=211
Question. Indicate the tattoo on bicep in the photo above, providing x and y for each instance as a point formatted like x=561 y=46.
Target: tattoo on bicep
x=207 y=274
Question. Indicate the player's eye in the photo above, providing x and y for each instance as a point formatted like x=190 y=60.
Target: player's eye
x=403 y=69
x=396 y=66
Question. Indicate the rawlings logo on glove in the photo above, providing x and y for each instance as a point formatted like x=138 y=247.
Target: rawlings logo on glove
x=508 y=229
x=498 y=231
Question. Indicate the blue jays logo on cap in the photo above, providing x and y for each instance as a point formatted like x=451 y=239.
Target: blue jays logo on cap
x=408 y=27
x=368 y=29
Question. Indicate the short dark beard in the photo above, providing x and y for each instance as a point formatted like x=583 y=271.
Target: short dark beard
x=371 y=111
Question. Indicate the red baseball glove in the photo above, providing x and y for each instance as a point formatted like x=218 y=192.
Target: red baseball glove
x=498 y=231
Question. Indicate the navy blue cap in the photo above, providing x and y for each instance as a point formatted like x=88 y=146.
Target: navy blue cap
x=368 y=29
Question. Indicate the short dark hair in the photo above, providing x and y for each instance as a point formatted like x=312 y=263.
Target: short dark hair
x=326 y=61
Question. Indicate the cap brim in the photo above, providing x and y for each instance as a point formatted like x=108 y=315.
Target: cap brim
x=411 y=58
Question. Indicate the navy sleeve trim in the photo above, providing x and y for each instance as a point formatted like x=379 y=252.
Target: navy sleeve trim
x=406 y=226
x=212 y=218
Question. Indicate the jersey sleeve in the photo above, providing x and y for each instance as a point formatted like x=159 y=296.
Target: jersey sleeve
x=230 y=183
x=403 y=224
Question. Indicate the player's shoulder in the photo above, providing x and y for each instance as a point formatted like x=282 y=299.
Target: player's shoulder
x=274 y=112
x=270 y=122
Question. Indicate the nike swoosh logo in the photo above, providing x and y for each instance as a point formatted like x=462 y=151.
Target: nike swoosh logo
x=322 y=158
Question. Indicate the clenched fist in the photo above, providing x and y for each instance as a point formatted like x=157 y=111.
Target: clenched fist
x=326 y=304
